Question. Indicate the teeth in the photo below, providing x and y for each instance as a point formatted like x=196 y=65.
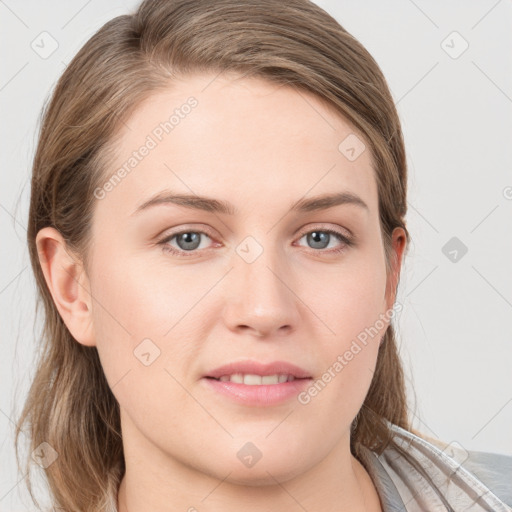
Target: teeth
x=257 y=380
x=253 y=380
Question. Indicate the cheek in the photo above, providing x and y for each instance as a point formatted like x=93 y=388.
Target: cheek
x=137 y=296
x=351 y=306
x=138 y=358
x=130 y=317
x=145 y=319
x=350 y=300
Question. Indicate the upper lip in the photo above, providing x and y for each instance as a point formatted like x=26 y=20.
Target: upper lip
x=257 y=368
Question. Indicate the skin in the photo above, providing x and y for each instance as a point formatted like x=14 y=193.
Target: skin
x=261 y=147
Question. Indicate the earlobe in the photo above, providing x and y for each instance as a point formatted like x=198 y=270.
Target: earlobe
x=68 y=284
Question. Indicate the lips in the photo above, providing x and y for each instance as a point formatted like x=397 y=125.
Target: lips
x=252 y=391
x=257 y=368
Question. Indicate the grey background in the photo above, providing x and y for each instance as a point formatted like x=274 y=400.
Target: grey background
x=456 y=110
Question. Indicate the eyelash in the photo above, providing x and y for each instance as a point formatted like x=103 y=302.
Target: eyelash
x=347 y=242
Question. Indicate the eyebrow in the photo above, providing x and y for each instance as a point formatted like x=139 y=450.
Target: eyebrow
x=208 y=204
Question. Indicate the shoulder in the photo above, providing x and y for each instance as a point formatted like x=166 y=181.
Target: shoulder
x=420 y=474
x=485 y=476
x=494 y=470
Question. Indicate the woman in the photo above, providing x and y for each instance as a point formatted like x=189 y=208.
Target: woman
x=217 y=227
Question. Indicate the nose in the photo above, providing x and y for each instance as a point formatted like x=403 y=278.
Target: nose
x=261 y=296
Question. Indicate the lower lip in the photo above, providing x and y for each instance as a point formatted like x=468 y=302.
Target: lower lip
x=263 y=395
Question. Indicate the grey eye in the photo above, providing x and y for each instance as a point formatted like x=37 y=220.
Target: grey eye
x=320 y=239
x=188 y=241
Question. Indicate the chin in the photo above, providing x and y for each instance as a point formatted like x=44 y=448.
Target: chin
x=266 y=471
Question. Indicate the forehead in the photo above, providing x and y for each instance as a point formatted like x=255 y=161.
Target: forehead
x=244 y=140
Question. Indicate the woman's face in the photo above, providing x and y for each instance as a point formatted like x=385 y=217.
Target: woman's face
x=265 y=282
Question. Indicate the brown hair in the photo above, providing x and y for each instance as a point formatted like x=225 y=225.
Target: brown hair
x=293 y=43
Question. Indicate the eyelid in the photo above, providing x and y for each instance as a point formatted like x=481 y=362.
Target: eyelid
x=346 y=233
x=185 y=228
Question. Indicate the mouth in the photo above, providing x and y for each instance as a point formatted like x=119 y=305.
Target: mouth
x=252 y=373
x=258 y=380
x=255 y=384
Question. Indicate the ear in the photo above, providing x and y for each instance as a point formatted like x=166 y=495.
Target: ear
x=398 y=243
x=68 y=284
